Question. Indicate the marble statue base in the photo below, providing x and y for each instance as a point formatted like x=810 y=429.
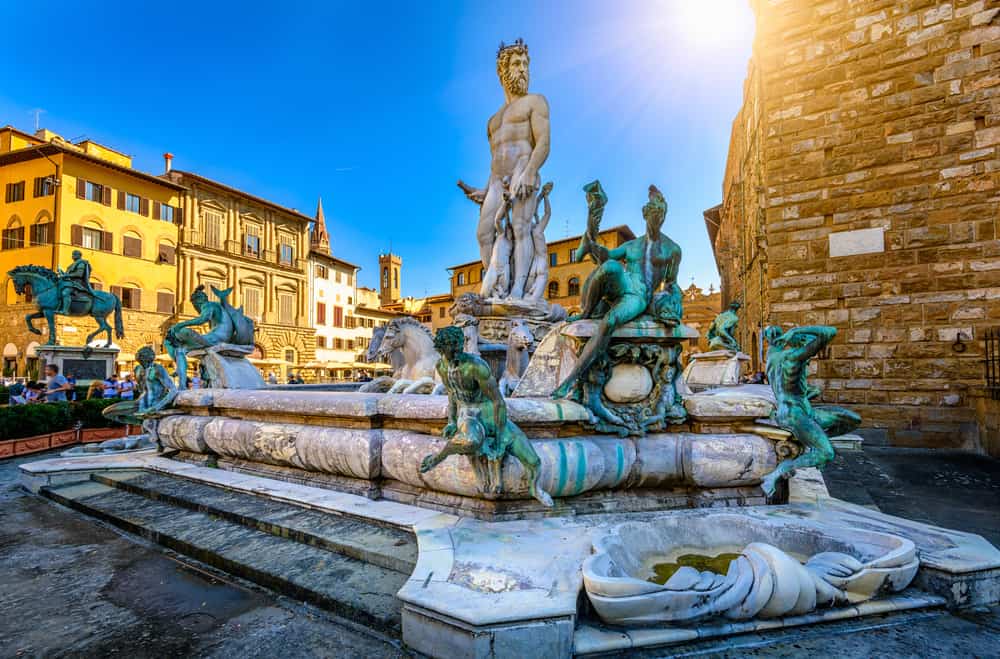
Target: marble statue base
x=225 y=366
x=718 y=368
x=86 y=364
x=373 y=445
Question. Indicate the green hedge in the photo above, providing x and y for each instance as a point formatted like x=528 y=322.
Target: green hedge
x=20 y=421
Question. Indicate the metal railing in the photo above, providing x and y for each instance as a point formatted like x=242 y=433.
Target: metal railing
x=991 y=362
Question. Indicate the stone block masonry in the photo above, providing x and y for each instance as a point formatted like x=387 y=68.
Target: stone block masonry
x=861 y=191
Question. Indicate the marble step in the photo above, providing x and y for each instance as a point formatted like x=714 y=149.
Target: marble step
x=388 y=547
x=363 y=592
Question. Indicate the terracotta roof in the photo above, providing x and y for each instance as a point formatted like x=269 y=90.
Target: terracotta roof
x=50 y=148
x=621 y=228
x=175 y=173
x=331 y=257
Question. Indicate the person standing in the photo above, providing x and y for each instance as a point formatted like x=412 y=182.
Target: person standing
x=126 y=390
x=71 y=379
x=196 y=381
x=111 y=386
x=56 y=386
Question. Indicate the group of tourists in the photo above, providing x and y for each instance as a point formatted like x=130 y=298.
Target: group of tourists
x=56 y=388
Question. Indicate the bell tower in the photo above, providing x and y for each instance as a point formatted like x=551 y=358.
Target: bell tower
x=389 y=266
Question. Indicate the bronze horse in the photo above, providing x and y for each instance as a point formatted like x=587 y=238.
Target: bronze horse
x=45 y=288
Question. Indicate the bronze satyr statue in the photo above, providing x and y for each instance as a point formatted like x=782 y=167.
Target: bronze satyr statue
x=720 y=332
x=622 y=287
x=788 y=358
x=478 y=426
x=155 y=391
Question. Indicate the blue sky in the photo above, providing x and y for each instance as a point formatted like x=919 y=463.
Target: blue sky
x=380 y=107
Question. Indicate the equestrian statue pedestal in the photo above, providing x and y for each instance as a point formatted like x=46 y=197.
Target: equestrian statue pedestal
x=84 y=363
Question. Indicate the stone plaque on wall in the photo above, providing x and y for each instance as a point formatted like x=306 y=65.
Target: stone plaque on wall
x=860 y=241
x=86 y=369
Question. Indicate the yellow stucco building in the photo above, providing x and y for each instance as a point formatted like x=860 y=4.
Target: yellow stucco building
x=233 y=239
x=59 y=197
x=566 y=275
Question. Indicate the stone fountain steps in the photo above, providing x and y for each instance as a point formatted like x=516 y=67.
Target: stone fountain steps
x=289 y=549
x=388 y=547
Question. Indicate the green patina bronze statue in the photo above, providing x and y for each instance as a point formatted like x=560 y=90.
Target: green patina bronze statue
x=788 y=358
x=720 y=332
x=478 y=426
x=227 y=327
x=67 y=293
x=622 y=287
x=154 y=388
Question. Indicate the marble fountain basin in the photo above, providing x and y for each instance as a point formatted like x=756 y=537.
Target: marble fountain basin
x=783 y=568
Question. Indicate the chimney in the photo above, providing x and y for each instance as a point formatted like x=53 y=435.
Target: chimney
x=168 y=159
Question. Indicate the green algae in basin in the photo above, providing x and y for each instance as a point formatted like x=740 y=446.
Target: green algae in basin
x=718 y=564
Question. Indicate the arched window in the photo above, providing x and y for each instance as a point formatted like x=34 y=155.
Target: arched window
x=553 y=289
x=461 y=279
x=385 y=277
x=132 y=244
x=573 y=286
x=13 y=235
x=166 y=252
x=395 y=277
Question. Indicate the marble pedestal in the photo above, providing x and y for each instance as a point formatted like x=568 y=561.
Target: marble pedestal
x=718 y=368
x=84 y=363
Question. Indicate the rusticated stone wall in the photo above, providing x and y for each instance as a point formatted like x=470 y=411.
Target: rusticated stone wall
x=879 y=128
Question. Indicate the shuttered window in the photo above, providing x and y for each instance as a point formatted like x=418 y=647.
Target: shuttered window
x=132 y=203
x=320 y=313
x=93 y=191
x=286 y=308
x=213 y=229
x=130 y=297
x=164 y=212
x=166 y=254
x=41 y=234
x=251 y=301
x=164 y=301
x=15 y=192
x=286 y=254
x=44 y=186
x=338 y=316
x=320 y=341
x=132 y=246
x=95 y=239
x=13 y=238
x=251 y=240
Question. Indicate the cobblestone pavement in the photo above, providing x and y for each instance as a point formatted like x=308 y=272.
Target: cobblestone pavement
x=75 y=588
x=72 y=587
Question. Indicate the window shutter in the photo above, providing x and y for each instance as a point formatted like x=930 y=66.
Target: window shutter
x=38 y=186
x=156 y=210
x=106 y=195
x=81 y=189
x=178 y=215
x=107 y=241
x=117 y=291
x=33 y=236
x=121 y=200
x=132 y=246
x=136 y=299
x=144 y=207
x=76 y=234
x=167 y=254
x=164 y=302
